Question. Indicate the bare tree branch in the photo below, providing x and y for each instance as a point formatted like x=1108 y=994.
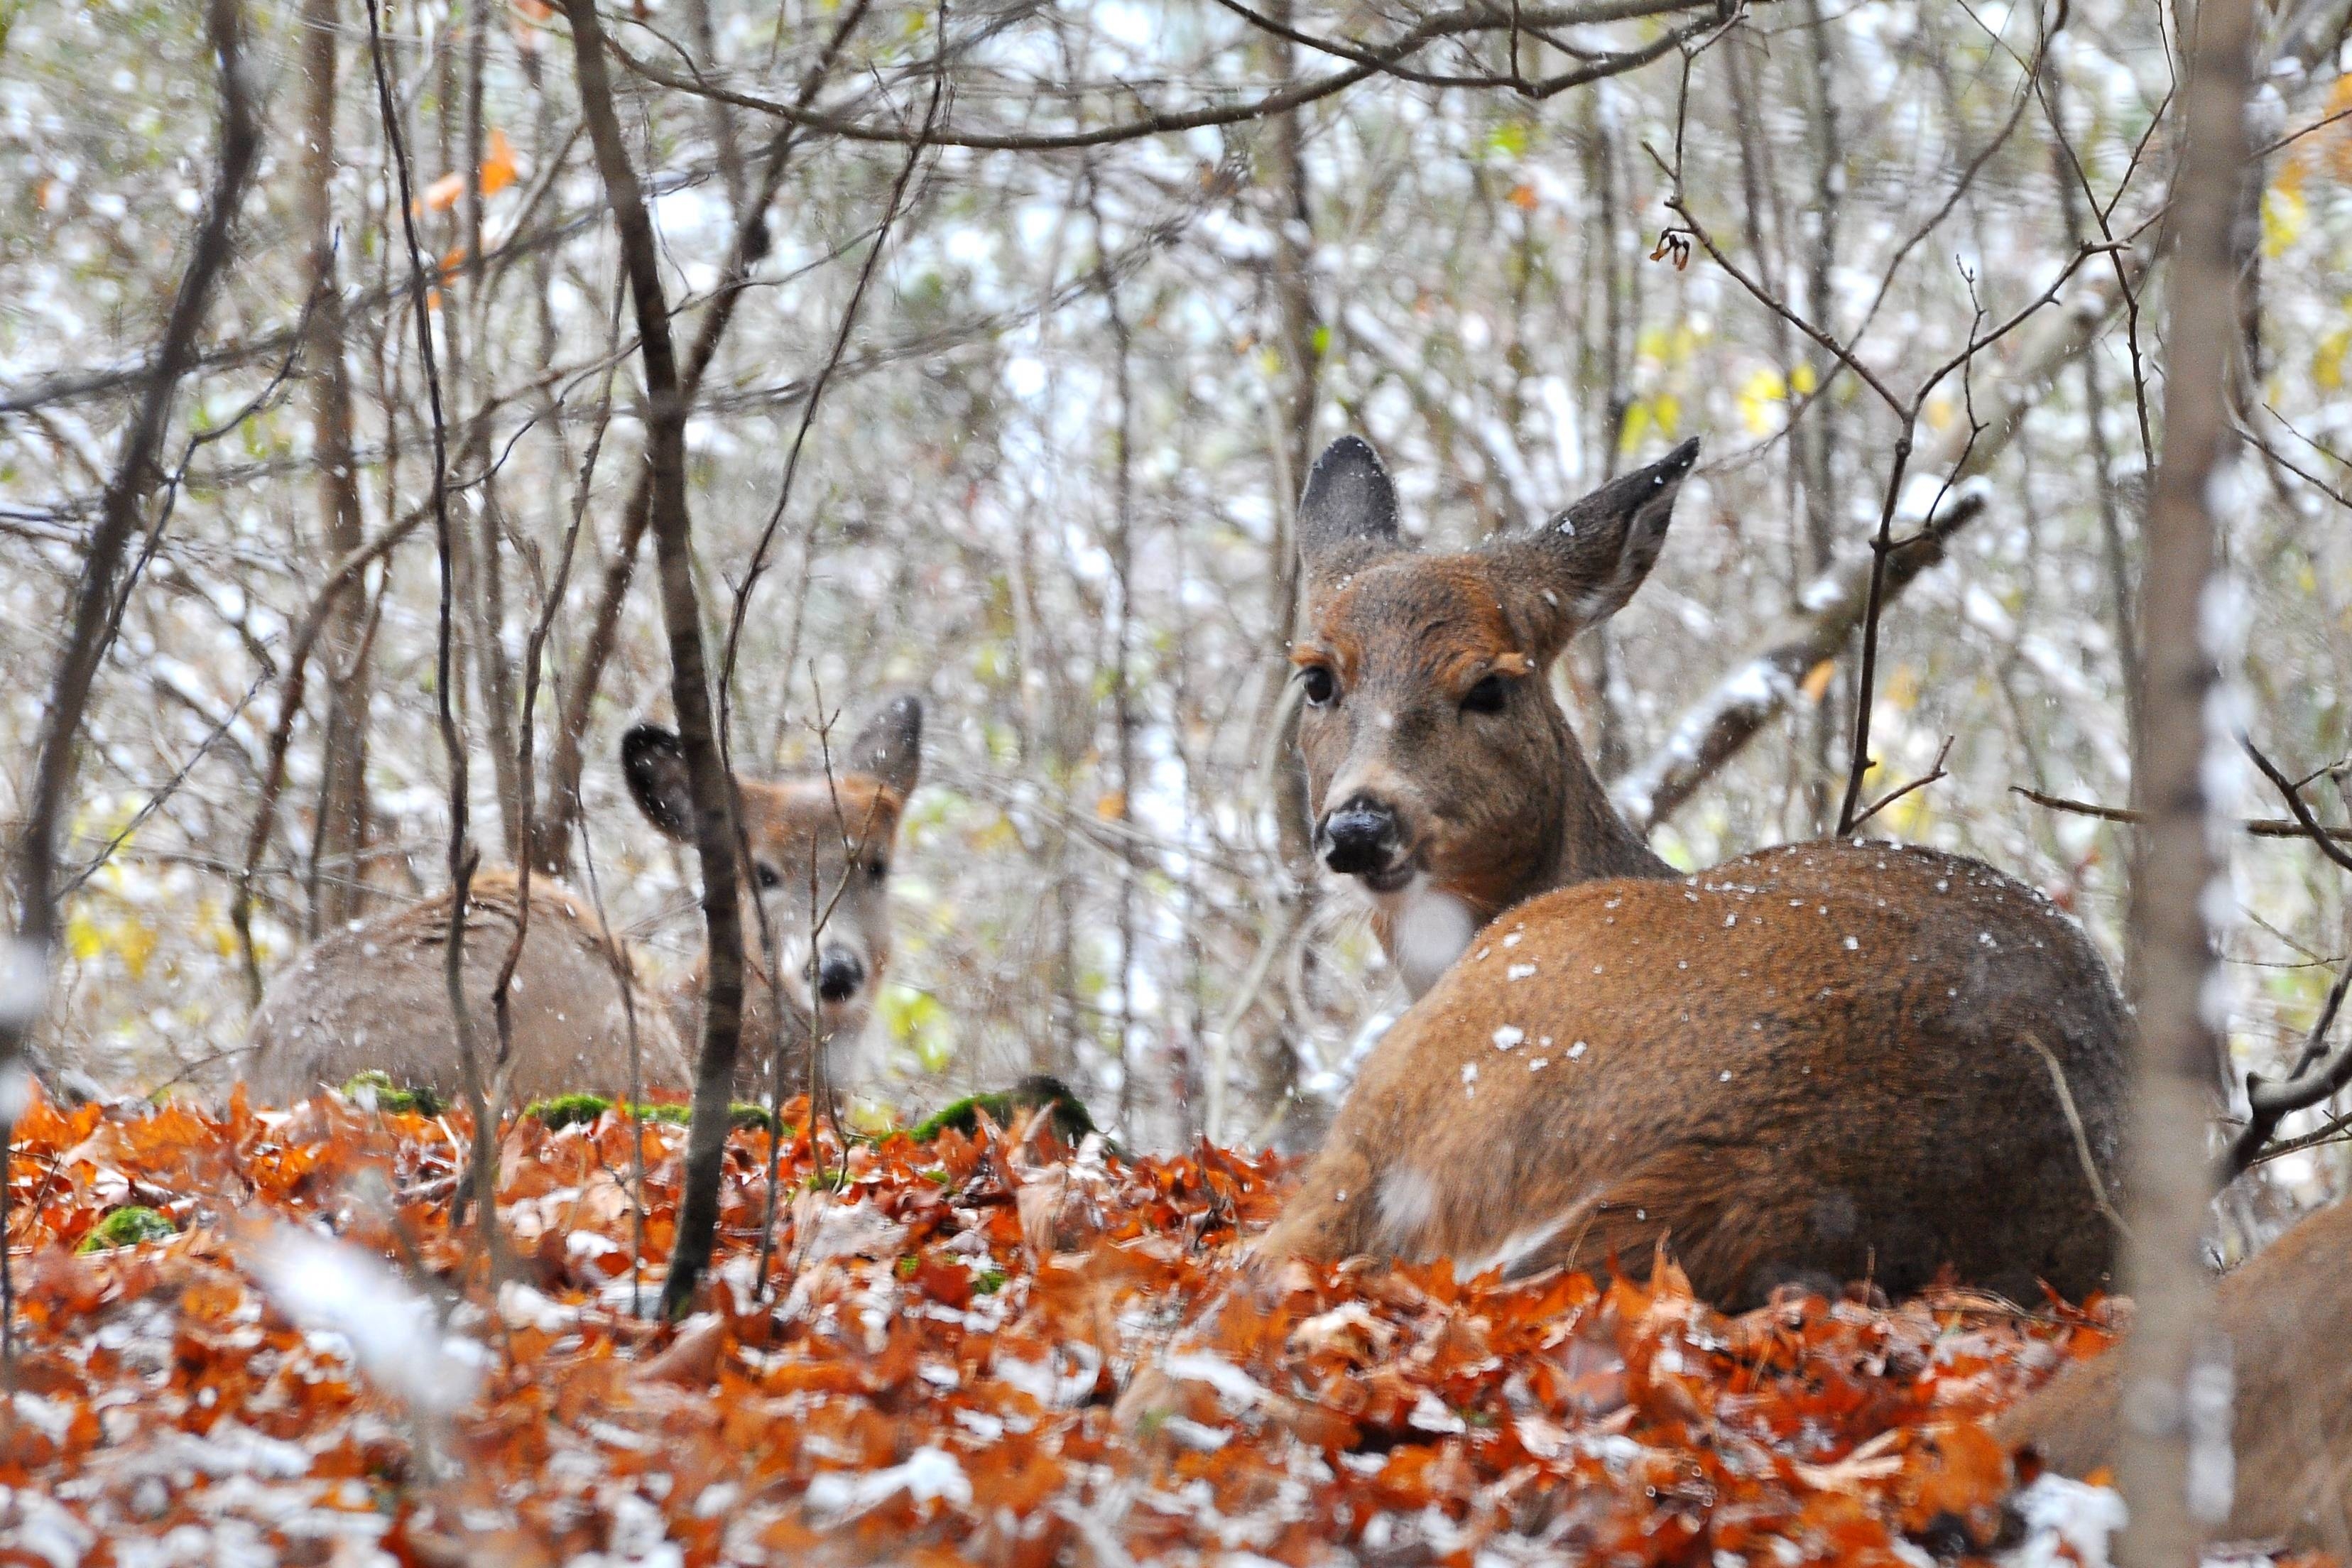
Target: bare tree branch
x=1755 y=691
x=2317 y=1075
x=1374 y=60
x=550 y=847
x=481 y=1094
x=2255 y=827
x=2292 y=792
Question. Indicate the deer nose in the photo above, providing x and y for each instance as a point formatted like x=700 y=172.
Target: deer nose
x=839 y=973
x=1361 y=838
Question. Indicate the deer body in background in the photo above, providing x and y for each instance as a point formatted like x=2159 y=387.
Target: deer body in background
x=2285 y=1310
x=1823 y=1063
x=373 y=995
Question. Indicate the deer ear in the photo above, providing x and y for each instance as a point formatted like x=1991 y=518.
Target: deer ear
x=1586 y=562
x=891 y=747
x=1348 y=518
x=655 y=764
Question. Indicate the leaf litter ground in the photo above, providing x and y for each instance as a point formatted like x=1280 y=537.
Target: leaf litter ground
x=315 y=1368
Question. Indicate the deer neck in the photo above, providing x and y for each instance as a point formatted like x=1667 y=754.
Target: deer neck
x=1594 y=843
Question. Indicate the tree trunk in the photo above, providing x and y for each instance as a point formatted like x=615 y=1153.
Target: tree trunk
x=714 y=834
x=338 y=866
x=2173 y=1462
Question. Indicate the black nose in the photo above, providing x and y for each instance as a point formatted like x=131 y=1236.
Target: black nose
x=1359 y=838
x=839 y=974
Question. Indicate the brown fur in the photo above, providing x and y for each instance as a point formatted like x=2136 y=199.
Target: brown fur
x=373 y=996
x=1813 y=1063
x=1501 y=805
x=2285 y=1311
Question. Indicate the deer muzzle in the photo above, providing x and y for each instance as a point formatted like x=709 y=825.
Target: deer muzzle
x=1364 y=838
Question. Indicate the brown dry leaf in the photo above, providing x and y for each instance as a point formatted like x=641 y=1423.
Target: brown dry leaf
x=692 y=1359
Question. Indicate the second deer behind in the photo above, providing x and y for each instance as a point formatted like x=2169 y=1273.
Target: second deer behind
x=1828 y=1062
x=375 y=996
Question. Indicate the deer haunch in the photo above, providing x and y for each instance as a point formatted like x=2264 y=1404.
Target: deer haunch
x=2285 y=1312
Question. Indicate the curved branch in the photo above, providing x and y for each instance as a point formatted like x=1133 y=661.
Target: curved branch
x=2292 y=794
x=1371 y=62
x=2318 y=1077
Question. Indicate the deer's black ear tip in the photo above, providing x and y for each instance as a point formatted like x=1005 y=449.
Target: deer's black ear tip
x=1347 y=452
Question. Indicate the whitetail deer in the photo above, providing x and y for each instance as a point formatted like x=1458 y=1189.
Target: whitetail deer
x=373 y=996
x=1826 y=1062
x=2285 y=1312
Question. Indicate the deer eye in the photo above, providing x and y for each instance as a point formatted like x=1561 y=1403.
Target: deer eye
x=877 y=869
x=767 y=876
x=1488 y=696
x=1320 y=687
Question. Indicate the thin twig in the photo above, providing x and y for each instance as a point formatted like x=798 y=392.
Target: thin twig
x=2081 y=1136
x=1376 y=59
x=2254 y=827
x=170 y=787
x=462 y=856
x=2292 y=794
x=1882 y=802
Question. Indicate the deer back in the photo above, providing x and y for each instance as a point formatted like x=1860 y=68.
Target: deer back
x=1818 y=1064
x=373 y=996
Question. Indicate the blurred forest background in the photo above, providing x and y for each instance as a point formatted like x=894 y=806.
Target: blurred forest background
x=1026 y=319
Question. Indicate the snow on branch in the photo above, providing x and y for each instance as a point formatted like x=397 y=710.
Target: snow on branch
x=1758 y=688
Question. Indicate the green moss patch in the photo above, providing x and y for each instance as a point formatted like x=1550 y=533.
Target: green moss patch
x=128 y=1227
x=563 y=1110
x=1071 y=1121
x=393 y=1098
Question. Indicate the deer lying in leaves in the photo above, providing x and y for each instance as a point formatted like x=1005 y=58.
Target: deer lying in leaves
x=373 y=996
x=2285 y=1312
x=1823 y=1063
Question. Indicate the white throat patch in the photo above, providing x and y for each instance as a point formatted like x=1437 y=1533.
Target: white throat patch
x=1428 y=930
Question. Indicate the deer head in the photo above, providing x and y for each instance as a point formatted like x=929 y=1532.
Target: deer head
x=819 y=860
x=1443 y=774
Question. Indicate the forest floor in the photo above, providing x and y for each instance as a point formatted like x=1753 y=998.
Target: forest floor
x=312 y=1367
